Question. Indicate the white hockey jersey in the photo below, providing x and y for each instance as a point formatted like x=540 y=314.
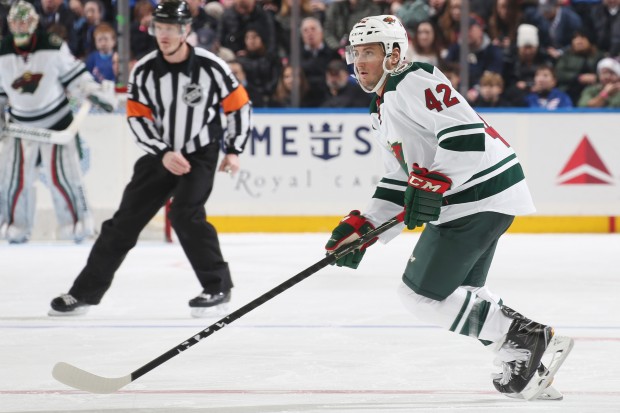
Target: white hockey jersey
x=422 y=119
x=34 y=82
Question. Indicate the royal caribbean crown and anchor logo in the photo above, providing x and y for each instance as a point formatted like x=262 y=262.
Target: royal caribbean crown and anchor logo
x=326 y=140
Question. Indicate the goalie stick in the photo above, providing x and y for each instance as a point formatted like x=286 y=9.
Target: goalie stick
x=83 y=380
x=59 y=137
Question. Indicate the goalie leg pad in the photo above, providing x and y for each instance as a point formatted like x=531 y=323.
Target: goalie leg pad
x=62 y=168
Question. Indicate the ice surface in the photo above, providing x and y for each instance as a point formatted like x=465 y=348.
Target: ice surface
x=337 y=342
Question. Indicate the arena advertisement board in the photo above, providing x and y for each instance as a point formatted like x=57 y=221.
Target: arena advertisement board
x=323 y=164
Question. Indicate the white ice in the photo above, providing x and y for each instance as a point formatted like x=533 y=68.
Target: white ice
x=337 y=342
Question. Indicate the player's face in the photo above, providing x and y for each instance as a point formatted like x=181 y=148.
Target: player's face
x=368 y=61
x=169 y=36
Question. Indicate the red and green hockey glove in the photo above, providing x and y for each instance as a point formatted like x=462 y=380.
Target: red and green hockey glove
x=351 y=227
x=424 y=195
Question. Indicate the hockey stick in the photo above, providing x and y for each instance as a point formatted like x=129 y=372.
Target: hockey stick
x=83 y=380
x=60 y=137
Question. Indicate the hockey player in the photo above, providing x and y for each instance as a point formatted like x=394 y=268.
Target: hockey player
x=36 y=68
x=453 y=172
x=173 y=109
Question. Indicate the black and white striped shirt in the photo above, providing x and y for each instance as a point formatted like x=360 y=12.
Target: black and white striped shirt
x=177 y=106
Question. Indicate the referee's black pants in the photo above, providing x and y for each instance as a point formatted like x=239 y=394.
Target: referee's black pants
x=149 y=189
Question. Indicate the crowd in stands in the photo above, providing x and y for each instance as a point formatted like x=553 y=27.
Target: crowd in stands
x=522 y=53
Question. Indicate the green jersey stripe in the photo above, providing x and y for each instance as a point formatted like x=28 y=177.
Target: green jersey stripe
x=475 y=320
x=390 y=195
x=457 y=320
x=460 y=128
x=464 y=143
x=393 y=182
x=488 y=188
x=494 y=167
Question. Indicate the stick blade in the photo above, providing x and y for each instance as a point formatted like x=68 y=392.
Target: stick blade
x=83 y=380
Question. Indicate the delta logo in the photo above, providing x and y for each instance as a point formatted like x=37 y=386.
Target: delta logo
x=585 y=167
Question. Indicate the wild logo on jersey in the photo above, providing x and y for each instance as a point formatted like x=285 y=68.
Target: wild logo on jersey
x=192 y=94
x=397 y=150
x=27 y=83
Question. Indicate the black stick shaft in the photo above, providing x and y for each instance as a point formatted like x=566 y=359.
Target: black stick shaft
x=235 y=315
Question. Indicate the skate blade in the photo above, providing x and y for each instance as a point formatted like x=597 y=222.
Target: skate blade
x=78 y=311
x=207 y=312
x=550 y=393
x=559 y=348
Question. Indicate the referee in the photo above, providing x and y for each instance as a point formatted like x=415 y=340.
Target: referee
x=173 y=109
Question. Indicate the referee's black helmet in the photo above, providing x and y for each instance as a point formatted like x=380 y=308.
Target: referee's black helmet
x=172 y=12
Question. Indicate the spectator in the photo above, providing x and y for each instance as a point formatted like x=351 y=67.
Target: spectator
x=234 y=23
x=261 y=68
x=414 y=12
x=315 y=56
x=93 y=16
x=424 y=45
x=606 y=21
x=343 y=92
x=204 y=26
x=576 y=68
x=449 y=23
x=56 y=12
x=100 y=62
x=453 y=73
x=563 y=22
x=491 y=92
x=544 y=94
x=283 y=23
x=340 y=16
x=507 y=16
x=141 y=41
x=520 y=67
x=604 y=94
x=484 y=56
x=238 y=71
x=283 y=96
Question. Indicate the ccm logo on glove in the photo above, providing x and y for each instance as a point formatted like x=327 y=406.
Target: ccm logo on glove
x=424 y=195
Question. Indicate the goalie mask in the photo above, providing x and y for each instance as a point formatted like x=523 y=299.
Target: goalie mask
x=385 y=30
x=23 y=20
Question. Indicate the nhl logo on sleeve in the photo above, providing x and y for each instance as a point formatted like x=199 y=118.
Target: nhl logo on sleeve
x=192 y=94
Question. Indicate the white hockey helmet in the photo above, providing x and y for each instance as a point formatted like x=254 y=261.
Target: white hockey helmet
x=386 y=30
x=23 y=20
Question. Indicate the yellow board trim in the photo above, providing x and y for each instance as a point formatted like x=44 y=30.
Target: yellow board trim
x=528 y=224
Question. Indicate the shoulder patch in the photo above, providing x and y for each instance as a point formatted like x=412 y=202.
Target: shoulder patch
x=400 y=74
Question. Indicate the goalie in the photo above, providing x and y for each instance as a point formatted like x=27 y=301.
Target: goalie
x=37 y=71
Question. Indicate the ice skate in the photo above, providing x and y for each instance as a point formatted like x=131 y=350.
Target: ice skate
x=523 y=350
x=67 y=305
x=210 y=305
x=549 y=393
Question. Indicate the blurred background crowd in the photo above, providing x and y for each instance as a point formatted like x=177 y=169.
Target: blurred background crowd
x=521 y=53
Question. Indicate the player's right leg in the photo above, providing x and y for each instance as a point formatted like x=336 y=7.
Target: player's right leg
x=17 y=193
x=143 y=197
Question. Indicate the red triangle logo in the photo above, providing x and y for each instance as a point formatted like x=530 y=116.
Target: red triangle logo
x=585 y=154
x=585 y=179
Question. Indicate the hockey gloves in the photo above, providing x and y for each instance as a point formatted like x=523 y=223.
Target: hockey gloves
x=424 y=195
x=351 y=227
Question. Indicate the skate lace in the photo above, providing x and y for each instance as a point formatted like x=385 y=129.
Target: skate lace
x=68 y=299
x=512 y=360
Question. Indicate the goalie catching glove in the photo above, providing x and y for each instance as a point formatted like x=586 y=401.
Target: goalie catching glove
x=350 y=228
x=424 y=196
x=101 y=95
